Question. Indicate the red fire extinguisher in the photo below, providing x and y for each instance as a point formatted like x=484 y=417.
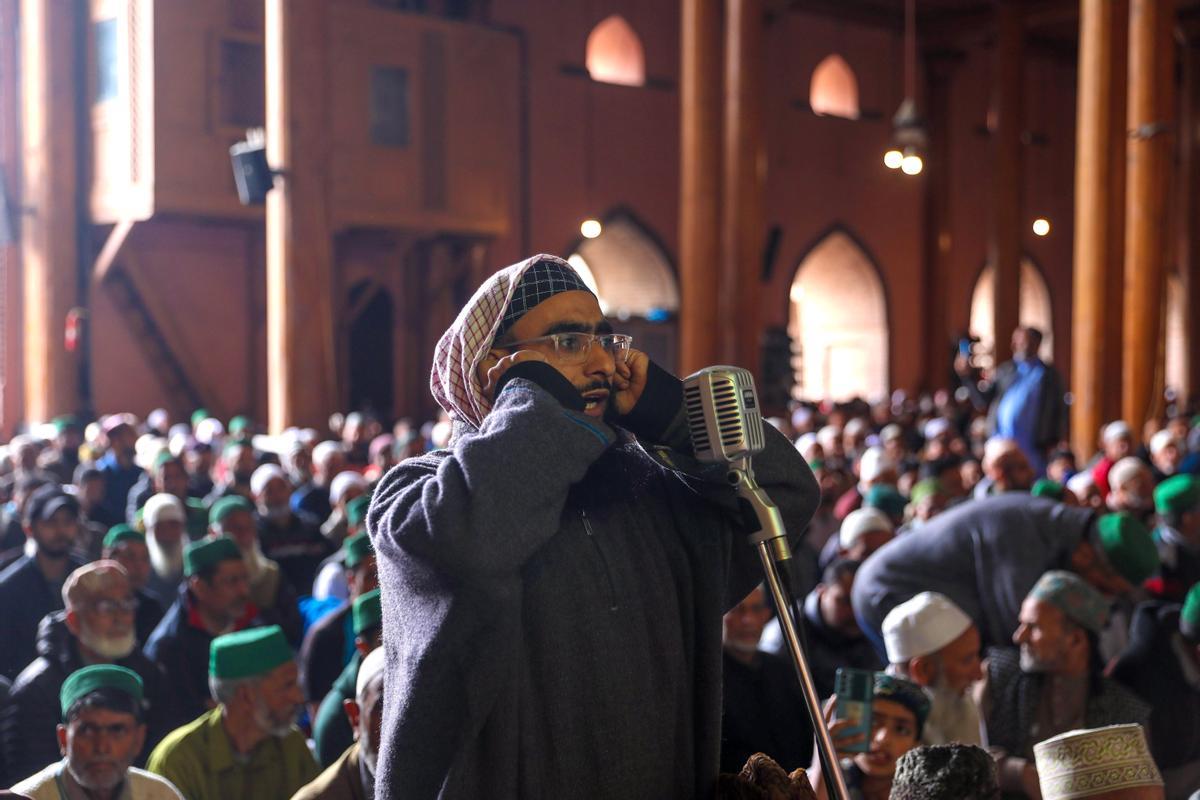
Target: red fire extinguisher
x=76 y=321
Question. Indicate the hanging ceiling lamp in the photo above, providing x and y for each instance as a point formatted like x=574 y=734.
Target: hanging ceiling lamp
x=909 y=137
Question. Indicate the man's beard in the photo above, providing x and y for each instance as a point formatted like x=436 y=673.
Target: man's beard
x=167 y=562
x=275 y=726
x=1033 y=664
x=953 y=713
x=741 y=646
x=110 y=647
x=280 y=513
x=118 y=776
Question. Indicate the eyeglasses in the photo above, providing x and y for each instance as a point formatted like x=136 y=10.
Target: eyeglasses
x=573 y=348
x=115 y=606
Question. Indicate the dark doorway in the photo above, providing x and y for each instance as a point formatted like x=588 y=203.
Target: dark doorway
x=371 y=351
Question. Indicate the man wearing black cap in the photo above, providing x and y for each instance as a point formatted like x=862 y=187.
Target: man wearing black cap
x=101 y=733
x=553 y=582
x=31 y=587
x=214 y=600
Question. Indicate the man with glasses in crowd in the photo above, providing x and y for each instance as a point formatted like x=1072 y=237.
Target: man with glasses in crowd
x=554 y=580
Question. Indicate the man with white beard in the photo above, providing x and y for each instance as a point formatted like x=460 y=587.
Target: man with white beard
x=96 y=627
x=249 y=745
x=352 y=777
x=935 y=645
x=1055 y=683
x=165 y=519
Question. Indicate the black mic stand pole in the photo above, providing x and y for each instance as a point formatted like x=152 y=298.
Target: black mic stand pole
x=771 y=541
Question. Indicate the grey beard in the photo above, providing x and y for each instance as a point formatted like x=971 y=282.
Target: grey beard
x=166 y=563
x=953 y=714
x=109 y=647
x=277 y=729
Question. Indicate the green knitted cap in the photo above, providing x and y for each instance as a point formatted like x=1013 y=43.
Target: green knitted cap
x=885 y=498
x=226 y=506
x=199 y=415
x=245 y=654
x=83 y=682
x=1177 y=494
x=200 y=555
x=356 y=510
x=1047 y=488
x=1128 y=546
x=121 y=533
x=368 y=612
x=66 y=422
x=357 y=548
x=239 y=424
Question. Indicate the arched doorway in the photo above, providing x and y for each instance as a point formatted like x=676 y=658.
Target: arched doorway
x=833 y=90
x=1035 y=310
x=371 y=319
x=1176 y=330
x=633 y=278
x=838 y=323
x=614 y=53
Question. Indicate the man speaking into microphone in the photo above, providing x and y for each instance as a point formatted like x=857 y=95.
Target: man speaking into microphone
x=553 y=582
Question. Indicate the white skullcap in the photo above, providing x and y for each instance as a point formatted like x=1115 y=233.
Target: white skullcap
x=922 y=625
x=861 y=522
x=1115 y=430
x=158 y=418
x=828 y=435
x=371 y=666
x=855 y=427
x=936 y=427
x=1088 y=763
x=147 y=449
x=163 y=508
x=873 y=463
x=209 y=430
x=1080 y=482
x=325 y=451
x=891 y=432
x=775 y=422
x=1160 y=440
x=264 y=475
x=440 y=435
x=805 y=442
x=343 y=481
x=1126 y=470
x=801 y=416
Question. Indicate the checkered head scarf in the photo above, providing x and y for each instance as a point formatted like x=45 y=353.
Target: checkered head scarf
x=497 y=305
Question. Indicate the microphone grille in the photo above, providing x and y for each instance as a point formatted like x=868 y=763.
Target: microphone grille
x=723 y=416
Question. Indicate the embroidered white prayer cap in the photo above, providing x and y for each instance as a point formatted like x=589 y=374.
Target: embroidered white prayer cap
x=874 y=462
x=1115 y=430
x=922 y=625
x=1090 y=763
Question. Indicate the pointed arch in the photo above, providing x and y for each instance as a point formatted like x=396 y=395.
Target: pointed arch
x=615 y=54
x=1035 y=308
x=833 y=90
x=838 y=321
x=1176 y=336
x=633 y=277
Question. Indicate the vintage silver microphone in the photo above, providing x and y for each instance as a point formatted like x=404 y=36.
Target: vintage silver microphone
x=727 y=428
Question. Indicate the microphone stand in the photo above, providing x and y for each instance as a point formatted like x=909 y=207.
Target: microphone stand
x=771 y=541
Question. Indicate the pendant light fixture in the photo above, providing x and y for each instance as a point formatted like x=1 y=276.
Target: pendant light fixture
x=909 y=137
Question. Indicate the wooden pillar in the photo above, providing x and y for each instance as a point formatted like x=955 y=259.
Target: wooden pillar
x=12 y=385
x=700 y=176
x=1187 y=248
x=1099 y=219
x=300 y=334
x=49 y=252
x=742 y=218
x=1005 y=245
x=1150 y=114
x=939 y=265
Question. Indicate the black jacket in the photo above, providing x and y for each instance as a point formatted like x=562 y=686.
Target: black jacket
x=25 y=597
x=149 y=613
x=1152 y=667
x=27 y=723
x=180 y=649
x=323 y=654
